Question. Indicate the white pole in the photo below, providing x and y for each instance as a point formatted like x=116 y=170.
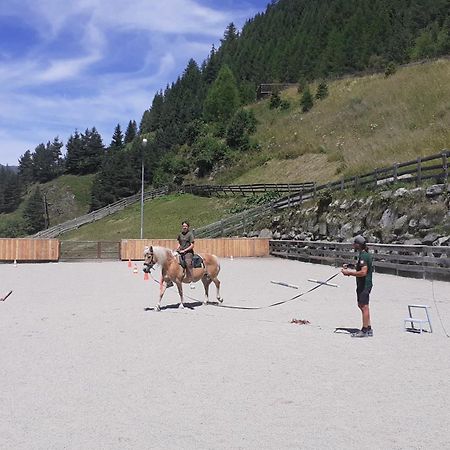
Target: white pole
x=144 y=143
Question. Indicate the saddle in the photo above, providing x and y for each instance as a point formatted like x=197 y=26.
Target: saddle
x=197 y=261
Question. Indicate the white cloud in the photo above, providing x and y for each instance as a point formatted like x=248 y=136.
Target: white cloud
x=43 y=95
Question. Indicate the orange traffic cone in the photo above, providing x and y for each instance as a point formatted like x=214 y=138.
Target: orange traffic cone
x=146 y=277
x=129 y=262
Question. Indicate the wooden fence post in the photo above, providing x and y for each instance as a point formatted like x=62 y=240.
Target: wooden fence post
x=445 y=167
x=342 y=184
x=375 y=175
x=419 y=171
x=395 y=171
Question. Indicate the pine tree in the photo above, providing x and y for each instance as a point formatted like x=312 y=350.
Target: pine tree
x=222 y=99
x=34 y=212
x=93 y=151
x=131 y=132
x=74 y=154
x=117 y=139
x=26 y=168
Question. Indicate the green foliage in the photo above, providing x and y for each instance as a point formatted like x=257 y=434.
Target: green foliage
x=306 y=101
x=117 y=139
x=391 y=68
x=241 y=126
x=222 y=99
x=432 y=41
x=10 y=190
x=322 y=90
x=255 y=200
x=131 y=132
x=285 y=105
x=207 y=151
x=34 y=211
x=275 y=100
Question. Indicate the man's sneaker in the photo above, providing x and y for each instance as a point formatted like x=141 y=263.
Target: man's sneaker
x=370 y=332
x=360 y=334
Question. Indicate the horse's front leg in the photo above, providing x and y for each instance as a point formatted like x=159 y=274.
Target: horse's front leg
x=162 y=289
x=180 y=292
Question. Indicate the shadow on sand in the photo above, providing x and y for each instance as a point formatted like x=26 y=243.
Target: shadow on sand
x=189 y=305
x=346 y=330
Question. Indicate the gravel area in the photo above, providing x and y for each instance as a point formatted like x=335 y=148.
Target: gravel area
x=85 y=363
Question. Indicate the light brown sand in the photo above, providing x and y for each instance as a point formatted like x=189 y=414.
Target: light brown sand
x=84 y=366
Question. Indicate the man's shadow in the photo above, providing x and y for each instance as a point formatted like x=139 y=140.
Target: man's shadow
x=346 y=330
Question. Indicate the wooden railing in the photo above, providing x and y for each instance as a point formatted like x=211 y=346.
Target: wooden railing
x=417 y=171
x=431 y=167
x=247 y=189
x=99 y=213
x=29 y=250
x=431 y=262
x=434 y=167
x=239 y=247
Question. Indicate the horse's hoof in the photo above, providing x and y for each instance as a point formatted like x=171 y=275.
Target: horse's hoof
x=220 y=300
x=157 y=308
x=205 y=302
x=181 y=306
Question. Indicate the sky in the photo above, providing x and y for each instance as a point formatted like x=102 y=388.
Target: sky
x=76 y=64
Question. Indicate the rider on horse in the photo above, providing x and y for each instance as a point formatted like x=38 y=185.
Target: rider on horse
x=186 y=247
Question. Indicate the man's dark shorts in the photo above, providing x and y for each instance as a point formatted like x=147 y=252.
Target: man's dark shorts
x=363 y=295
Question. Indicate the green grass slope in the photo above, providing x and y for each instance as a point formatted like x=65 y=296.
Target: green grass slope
x=365 y=122
x=162 y=218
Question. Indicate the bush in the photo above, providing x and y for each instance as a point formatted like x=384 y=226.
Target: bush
x=275 y=100
x=307 y=101
x=322 y=90
x=241 y=126
x=390 y=69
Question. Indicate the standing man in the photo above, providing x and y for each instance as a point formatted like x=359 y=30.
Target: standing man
x=363 y=273
x=186 y=248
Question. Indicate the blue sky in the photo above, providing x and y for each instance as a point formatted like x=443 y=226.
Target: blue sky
x=75 y=64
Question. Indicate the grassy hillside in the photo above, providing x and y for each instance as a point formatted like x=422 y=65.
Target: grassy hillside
x=67 y=196
x=364 y=123
x=162 y=218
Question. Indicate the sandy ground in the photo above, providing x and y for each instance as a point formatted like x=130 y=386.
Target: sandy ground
x=84 y=365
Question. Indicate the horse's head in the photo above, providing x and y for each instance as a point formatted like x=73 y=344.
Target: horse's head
x=149 y=259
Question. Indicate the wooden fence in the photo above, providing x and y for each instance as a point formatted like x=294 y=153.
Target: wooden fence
x=240 y=247
x=29 y=250
x=247 y=189
x=98 y=214
x=433 y=167
x=418 y=261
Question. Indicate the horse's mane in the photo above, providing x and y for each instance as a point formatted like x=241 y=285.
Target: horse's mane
x=162 y=254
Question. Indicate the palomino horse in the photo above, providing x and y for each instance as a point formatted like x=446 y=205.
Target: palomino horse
x=171 y=270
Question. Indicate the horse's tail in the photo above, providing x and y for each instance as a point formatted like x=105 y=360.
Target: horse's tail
x=217 y=262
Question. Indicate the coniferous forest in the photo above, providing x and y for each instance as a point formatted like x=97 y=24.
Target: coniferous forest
x=198 y=123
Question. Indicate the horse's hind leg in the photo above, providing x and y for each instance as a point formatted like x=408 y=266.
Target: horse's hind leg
x=206 y=282
x=216 y=281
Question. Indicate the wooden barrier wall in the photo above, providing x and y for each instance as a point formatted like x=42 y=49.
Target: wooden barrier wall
x=133 y=248
x=29 y=249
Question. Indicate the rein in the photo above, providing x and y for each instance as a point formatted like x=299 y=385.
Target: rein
x=254 y=308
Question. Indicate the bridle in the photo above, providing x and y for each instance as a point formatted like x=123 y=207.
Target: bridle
x=149 y=259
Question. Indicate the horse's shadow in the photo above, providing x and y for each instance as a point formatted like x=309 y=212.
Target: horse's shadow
x=191 y=305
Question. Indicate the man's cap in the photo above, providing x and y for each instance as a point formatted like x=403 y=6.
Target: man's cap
x=361 y=240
